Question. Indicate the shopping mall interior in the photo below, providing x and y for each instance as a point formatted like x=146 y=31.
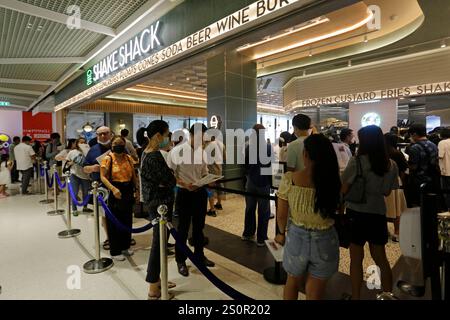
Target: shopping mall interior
x=231 y=64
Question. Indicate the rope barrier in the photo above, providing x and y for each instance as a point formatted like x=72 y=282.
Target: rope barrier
x=61 y=185
x=222 y=286
x=74 y=198
x=118 y=224
x=49 y=181
x=244 y=193
x=42 y=171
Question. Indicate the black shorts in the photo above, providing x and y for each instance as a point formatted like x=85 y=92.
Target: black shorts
x=367 y=227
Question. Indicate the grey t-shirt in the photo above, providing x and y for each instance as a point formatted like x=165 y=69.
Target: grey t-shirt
x=375 y=187
x=295 y=154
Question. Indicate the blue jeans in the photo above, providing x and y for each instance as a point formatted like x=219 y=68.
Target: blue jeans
x=311 y=251
x=263 y=212
x=76 y=183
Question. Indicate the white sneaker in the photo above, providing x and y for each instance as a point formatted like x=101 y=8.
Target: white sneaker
x=128 y=253
x=119 y=257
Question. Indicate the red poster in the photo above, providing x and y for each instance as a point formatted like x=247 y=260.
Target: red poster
x=38 y=127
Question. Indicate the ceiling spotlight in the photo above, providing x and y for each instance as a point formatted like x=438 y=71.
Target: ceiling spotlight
x=413 y=100
x=310 y=52
x=443 y=43
x=187 y=79
x=349 y=63
x=170 y=84
x=304 y=73
x=87 y=127
x=366 y=39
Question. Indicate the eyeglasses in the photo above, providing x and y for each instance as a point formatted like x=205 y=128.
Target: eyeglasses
x=103 y=133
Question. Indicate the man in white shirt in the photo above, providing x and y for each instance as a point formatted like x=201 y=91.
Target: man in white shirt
x=302 y=130
x=25 y=156
x=187 y=160
x=444 y=162
x=343 y=155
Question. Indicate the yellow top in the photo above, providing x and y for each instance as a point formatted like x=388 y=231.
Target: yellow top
x=301 y=202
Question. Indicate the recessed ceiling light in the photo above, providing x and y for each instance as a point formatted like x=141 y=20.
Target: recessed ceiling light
x=187 y=79
x=170 y=84
x=443 y=44
x=366 y=39
x=413 y=100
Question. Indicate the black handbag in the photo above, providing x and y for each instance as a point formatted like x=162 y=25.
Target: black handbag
x=357 y=191
x=342 y=224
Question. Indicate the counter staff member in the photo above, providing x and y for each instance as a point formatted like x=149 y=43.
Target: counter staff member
x=192 y=200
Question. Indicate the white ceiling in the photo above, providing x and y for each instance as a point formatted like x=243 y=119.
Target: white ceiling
x=38 y=51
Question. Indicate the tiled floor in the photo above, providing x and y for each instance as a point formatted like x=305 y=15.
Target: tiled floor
x=36 y=264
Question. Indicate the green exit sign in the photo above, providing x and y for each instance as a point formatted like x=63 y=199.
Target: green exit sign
x=4 y=104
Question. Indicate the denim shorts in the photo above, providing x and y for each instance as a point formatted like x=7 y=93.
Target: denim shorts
x=311 y=251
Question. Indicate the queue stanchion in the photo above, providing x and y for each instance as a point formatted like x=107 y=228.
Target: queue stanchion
x=69 y=233
x=56 y=211
x=39 y=180
x=46 y=200
x=162 y=210
x=98 y=264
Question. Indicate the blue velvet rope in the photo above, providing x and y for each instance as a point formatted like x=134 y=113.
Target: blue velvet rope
x=42 y=171
x=74 y=197
x=62 y=186
x=49 y=179
x=222 y=286
x=118 y=224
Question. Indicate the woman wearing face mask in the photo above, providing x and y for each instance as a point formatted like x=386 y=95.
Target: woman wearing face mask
x=118 y=175
x=157 y=185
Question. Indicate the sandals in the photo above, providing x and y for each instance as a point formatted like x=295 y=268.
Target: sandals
x=158 y=297
x=170 y=285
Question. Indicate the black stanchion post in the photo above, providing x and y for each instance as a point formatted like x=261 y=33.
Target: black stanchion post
x=69 y=233
x=162 y=210
x=98 y=264
x=56 y=211
x=46 y=200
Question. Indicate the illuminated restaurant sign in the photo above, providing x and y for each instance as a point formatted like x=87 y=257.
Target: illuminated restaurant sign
x=126 y=54
x=212 y=32
x=405 y=92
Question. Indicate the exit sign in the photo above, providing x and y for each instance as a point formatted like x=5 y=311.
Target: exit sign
x=4 y=104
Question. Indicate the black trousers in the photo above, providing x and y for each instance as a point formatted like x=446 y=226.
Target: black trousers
x=27 y=175
x=192 y=206
x=122 y=209
x=154 y=260
x=14 y=173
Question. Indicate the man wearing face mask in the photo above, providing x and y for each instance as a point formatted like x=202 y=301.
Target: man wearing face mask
x=92 y=167
x=302 y=130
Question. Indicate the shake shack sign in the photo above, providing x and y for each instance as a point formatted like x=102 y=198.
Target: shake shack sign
x=143 y=52
x=134 y=50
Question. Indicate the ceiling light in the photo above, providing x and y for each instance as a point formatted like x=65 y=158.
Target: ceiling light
x=316 y=39
x=413 y=100
x=349 y=63
x=288 y=32
x=443 y=44
x=310 y=53
x=170 y=84
x=87 y=127
x=366 y=39
x=187 y=79
x=168 y=94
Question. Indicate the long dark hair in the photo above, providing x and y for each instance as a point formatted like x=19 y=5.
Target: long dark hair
x=372 y=144
x=143 y=135
x=327 y=181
